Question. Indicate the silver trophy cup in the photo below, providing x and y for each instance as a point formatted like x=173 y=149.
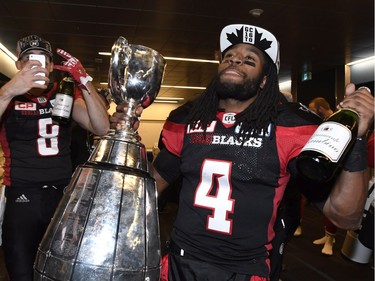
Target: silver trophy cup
x=106 y=226
x=135 y=75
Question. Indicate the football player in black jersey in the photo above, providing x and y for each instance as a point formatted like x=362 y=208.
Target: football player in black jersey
x=236 y=150
x=37 y=152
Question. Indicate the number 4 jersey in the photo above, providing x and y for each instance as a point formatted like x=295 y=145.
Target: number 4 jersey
x=231 y=189
x=36 y=151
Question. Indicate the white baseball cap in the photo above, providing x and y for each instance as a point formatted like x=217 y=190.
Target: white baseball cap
x=250 y=34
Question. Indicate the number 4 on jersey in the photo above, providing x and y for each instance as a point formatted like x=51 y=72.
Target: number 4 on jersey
x=216 y=174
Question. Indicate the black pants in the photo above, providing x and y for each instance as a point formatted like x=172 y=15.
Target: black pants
x=27 y=214
x=187 y=268
x=366 y=234
x=287 y=221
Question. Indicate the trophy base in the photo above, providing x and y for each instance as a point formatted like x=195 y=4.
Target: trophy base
x=120 y=150
x=105 y=228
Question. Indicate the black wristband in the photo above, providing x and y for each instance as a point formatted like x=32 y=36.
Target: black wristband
x=356 y=160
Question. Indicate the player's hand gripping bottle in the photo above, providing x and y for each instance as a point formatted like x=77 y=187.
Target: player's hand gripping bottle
x=325 y=151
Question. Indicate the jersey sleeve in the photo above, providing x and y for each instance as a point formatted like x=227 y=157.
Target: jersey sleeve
x=174 y=129
x=304 y=124
x=167 y=162
x=173 y=137
x=167 y=165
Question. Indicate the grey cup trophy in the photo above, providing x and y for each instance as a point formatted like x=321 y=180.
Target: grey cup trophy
x=135 y=75
x=106 y=226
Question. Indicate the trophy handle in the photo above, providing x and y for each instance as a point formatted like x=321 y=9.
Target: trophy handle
x=120 y=56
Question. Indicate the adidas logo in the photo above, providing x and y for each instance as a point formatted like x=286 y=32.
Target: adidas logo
x=22 y=199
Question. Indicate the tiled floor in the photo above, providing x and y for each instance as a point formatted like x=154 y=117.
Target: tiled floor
x=304 y=261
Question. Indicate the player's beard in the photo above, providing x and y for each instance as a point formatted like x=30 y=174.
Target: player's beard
x=242 y=92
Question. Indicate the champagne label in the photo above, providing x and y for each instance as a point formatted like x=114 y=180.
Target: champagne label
x=63 y=105
x=330 y=139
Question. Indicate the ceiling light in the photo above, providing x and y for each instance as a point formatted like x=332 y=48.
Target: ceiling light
x=361 y=61
x=6 y=51
x=170 y=86
x=169 y=98
x=166 y=101
x=183 y=87
x=256 y=12
x=173 y=58
x=191 y=60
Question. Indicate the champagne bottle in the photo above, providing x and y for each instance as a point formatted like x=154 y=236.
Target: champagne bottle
x=322 y=156
x=62 y=108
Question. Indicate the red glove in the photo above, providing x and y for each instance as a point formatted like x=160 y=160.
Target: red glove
x=74 y=67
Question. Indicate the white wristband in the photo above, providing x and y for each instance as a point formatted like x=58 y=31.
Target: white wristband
x=86 y=79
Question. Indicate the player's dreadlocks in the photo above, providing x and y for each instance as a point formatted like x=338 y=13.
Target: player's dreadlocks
x=255 y=119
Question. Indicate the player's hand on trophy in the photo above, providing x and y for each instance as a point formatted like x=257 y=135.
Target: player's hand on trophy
x=74 y=67
x=120 y=116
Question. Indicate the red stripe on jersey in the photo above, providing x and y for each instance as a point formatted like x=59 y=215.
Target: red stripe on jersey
x=164 y=268
x=290 y=141
x=173 y=137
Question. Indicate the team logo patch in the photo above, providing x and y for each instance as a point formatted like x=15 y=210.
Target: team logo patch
x=42 y=99
x=228 y=118
x=25 y=106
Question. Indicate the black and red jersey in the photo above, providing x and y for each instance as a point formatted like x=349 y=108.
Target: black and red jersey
x=36 y=151
x=231 y=190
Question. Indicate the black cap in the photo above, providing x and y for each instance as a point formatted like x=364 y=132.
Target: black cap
x=33 y=42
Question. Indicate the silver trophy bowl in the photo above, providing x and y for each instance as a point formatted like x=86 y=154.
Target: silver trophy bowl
x=134 y=77
x=106 y=226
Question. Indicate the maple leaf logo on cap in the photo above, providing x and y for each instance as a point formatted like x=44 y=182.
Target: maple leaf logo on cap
x=249 y=34
x=262 y=44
